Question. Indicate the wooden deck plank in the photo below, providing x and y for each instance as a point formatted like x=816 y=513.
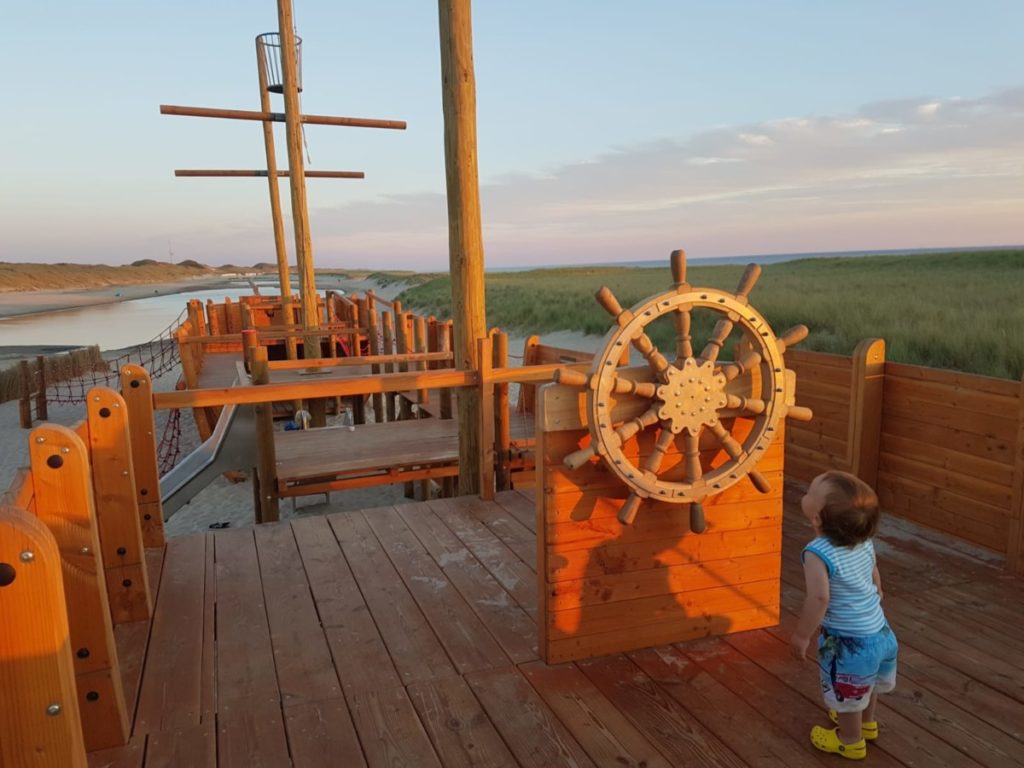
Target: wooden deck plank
x=128 y=756
x=245 y=657
x=669 y=726
x=305 y=672
x=390 y=732
x=360 y=656
x=457 y=725
x=468 y=643
x=414 y=648
x=603 y=731
x=514 y=630
x=536 y=736
x=768 y=694
x=171 y=684
x=252 y=737
x=508 y=529
x=208 y=675
x=511 y=572
x=723 y=712
x=321 y=735
x=195 y=746
x=907 y=743
x=521 y=506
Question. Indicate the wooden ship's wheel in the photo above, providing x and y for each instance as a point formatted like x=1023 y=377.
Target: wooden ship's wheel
x=695 y=397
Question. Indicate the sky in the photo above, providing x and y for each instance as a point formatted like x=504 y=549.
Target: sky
x=607 y=131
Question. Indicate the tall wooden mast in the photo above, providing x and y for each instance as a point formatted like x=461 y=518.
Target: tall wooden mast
x=465 y=240
x=296 y=178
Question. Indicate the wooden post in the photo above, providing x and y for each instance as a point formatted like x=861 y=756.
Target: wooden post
x=486 y=416
x=39 y=714
x=195 y=316
x=422 y=396
x=444 y=339
x=283 y=273
x=25 y=403
x=389 y=349
x=229 y=321
x=41 y=411
x=117 y=507
x=245 y=311
x=213 y=318
x=137 y=391
x=465 y=240
x=502 y=427
x=1015 y=546
x=62 y=487
x=265 y=480
x=372 y=328
x=865 y=430
x=250 y=341
x=404 y=346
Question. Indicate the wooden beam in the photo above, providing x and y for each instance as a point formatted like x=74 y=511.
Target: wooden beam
x=265 y=482
x=39 y=715
x=137 y=391
x=279 y=117
x=394 y=382
x=465 y=239
x=64 y=503
x=219 y=173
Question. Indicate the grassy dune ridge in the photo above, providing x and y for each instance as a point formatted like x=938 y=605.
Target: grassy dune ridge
x=41 y=277
x=960 y=311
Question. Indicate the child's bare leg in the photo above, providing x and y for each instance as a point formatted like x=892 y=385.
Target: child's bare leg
x=869 y=712
x=849 y=727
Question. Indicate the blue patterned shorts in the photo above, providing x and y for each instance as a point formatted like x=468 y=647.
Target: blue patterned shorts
x=854 y=667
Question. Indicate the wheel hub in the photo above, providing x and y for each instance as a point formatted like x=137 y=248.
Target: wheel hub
x=691 y=396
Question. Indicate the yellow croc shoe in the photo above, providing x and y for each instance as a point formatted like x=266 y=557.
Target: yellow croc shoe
x=868 y=728
x=827 y=740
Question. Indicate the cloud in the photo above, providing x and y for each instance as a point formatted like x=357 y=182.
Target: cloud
x=911 y=173
x=895 y=174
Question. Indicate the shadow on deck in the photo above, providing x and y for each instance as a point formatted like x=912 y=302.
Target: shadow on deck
x=406 y=636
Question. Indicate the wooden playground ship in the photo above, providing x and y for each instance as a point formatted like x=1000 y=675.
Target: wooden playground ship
x=601 y=570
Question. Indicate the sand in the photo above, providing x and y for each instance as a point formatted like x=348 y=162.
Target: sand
x=223 y=501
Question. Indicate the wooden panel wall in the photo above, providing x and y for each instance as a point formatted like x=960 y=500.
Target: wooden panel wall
x=823 y=384
x=605 y=587
x=949 y=450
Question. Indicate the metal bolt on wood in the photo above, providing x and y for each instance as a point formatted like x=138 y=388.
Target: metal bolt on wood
x=53 y=710
x=27 y=556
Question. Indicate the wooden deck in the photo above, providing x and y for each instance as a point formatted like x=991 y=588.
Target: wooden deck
x=405 y=637
x=316 y=460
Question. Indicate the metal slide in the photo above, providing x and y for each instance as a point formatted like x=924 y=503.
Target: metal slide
x=232 y=446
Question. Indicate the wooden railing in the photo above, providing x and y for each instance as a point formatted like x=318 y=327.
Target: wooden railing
x=944 y=449
x=74 y=528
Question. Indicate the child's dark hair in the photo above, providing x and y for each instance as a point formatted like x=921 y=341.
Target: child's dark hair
x=850 y=514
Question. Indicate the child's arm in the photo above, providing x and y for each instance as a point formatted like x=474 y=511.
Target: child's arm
x=815 y=604
x=877 y=578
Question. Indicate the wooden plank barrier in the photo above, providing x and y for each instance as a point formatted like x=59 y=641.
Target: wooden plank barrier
x=117 y=507
x=62 y=486
x=40 y=721
x=606 y=588
x=950 y=454
x=137 y=391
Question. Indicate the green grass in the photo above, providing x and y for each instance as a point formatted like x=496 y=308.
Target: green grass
x=959 y=311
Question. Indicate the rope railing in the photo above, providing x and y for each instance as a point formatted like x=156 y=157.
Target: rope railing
x=159 y=355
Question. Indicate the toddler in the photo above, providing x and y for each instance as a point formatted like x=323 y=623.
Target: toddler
x=856 y=647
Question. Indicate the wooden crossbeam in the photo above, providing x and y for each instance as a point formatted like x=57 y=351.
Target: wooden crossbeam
x=190 y=173
x=279 y=117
